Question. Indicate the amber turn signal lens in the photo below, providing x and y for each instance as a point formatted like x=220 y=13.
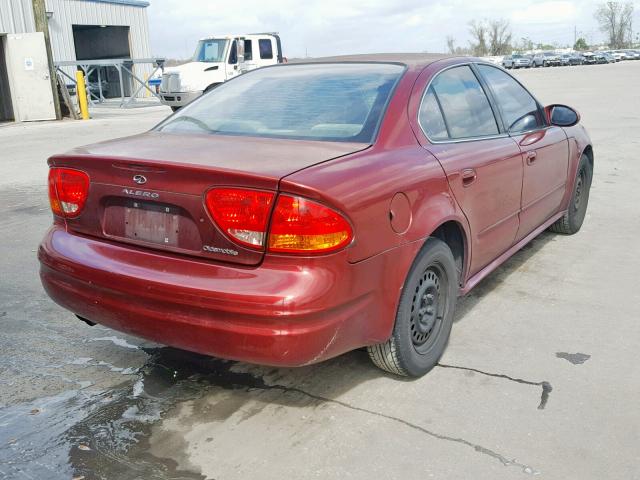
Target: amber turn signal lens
x=299 y=225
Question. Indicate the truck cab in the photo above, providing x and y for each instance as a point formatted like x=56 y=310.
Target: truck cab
x=216 y=60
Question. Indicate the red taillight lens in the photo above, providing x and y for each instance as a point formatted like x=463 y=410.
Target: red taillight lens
x=68 y=191
x=303 y=226
x=241 y=213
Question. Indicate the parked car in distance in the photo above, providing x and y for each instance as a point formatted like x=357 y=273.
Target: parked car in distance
x=568 y=59
x=546 y=59
x=605 y=57
x=633 y=54
x=495 y=59
x=618 y=55
x=516 y=61
x=286 y=229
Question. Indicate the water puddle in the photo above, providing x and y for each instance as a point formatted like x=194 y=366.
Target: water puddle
x=105 y=434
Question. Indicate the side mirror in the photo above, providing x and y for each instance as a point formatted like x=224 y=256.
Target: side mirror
x=240 y=47
x=562 y=116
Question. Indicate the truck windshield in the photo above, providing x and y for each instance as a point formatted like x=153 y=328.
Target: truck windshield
x=333 y=102
x=210 y=51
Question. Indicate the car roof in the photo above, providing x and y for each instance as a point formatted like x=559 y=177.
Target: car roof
x=409 y=59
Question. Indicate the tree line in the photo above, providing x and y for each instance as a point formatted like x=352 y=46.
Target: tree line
x=494 y=36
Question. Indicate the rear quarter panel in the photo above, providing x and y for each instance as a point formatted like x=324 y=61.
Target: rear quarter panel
x=363 y=185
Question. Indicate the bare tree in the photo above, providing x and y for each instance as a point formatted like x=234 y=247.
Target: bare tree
x=478 y=31
x=615 y=21
x=525 y=44
x=499 y=36
x=451 y=44
x=453 y=49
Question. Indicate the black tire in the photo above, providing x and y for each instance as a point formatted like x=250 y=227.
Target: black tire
x=573 y=218
x=425 y=314
x=175 y=109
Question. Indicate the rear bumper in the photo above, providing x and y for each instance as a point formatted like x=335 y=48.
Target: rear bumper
x=178 y=99
x=286 y=312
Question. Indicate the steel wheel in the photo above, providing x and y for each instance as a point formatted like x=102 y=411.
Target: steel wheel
x=425 y=314
x=427 y=308
x=571 y=221
x=581 y=180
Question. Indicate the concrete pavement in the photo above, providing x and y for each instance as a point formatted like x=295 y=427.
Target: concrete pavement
x=540 y=378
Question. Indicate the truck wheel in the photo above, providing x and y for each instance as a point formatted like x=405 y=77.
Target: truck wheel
x=424 y=316
x=571 y=221
x=175 y=109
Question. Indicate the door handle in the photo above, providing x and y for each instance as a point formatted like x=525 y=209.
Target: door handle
x=531 y=157
x=469 y=176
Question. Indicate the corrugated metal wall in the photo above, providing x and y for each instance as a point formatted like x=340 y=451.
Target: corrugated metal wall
x=16 y=16
x=79 y=12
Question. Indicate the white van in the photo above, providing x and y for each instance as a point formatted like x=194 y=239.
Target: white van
x=216 y=60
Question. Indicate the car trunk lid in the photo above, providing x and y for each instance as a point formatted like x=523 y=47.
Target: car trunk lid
x=148 y=190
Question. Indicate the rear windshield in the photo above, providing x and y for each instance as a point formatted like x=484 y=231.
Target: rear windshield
x=333 y=102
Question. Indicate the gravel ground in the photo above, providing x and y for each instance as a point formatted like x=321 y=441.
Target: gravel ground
x=541 y=376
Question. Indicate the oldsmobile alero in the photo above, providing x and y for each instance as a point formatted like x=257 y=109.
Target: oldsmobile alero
x=300 y=211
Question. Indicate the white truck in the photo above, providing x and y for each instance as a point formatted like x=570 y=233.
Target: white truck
x=216 y=60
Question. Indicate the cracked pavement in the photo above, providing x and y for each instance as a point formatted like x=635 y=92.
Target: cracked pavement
x=540 y=378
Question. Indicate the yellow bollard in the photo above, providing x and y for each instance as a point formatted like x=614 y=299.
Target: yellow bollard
x=147 y=94
x=81 y=91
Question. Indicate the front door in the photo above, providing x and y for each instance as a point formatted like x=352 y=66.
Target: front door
x=545 y=149
x=546 y=160
x=233 y=68
x=483 y=164
x=29 y=79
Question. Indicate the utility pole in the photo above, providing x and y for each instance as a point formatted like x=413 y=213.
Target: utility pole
x=575 y=34
x=42 y=25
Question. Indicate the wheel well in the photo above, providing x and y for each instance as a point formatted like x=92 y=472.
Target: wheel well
x=452 y=234
x=588 y=151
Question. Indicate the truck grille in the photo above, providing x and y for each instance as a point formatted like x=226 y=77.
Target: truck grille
x=170 y=82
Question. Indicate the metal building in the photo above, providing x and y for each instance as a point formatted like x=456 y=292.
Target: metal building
x=79 y=30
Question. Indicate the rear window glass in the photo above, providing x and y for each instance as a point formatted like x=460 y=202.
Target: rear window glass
x=266 y=51
x=334 y=102
x=431 y=118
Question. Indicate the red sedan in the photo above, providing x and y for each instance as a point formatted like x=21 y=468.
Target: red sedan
x=301 y=211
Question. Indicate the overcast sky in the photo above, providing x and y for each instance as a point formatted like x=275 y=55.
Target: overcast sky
x=333 y=27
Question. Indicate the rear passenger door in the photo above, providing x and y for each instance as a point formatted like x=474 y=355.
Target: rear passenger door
x=483 y=165
x=545 y=149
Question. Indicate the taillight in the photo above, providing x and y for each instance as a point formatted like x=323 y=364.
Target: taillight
x=304 y=226
x=241 y=213
x=68 y=191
